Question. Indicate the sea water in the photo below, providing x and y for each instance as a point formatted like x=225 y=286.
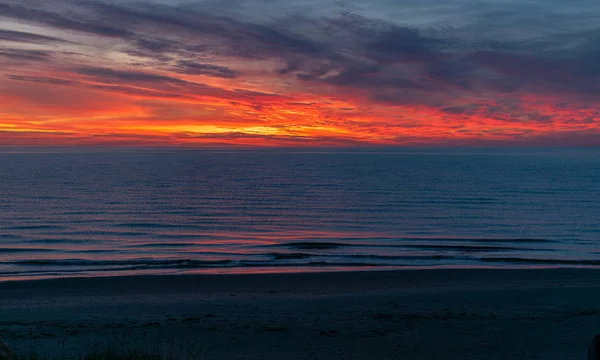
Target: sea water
x=90 y=212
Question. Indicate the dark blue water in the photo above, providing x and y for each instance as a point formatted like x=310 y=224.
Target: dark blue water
x=90 y=212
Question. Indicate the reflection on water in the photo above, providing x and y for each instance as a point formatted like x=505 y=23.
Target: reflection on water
x=124 y=212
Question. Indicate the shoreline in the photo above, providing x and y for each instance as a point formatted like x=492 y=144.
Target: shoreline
x=389 y=279
x=259 y=271
x=403 y=314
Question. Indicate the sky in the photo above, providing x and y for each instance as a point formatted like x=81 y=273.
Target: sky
x=300 y=72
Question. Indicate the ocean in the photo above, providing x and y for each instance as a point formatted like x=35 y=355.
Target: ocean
x=103 y=212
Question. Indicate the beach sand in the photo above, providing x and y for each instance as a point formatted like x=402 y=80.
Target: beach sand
x=423 y=314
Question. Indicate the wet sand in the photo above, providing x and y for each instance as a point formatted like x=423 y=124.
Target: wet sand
x=425 y=314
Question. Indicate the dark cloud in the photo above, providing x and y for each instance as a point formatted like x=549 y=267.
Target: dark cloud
x=511 y=73
x=385 y=59
x=360 y=58
x=192 y=68
x=155 y=83
x=226 y=36
x=88 y=25
x=119 y=89
x=134 y=82
x=25 y=54
x=154 y=46
x=43 y=80
x=372 y=77
x=106 y=74
x=402 y=44
x=456 y=110
x=25 y=37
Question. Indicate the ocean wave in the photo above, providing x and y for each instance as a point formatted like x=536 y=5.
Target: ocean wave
x=10 y=236
x=290 y=256
x=83 y=266
x=485 y=240
x=155 y=225
x=402 y=243
x=22 y=250
x=183 y=263
x=34 y=227
x=316 y=245
x=470 y=248
x=277 y=260
x=392 y=258
x=519 y=260
x=59 y=241
x=163 y=245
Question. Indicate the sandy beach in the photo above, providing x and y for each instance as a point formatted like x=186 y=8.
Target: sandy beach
x=425 y=314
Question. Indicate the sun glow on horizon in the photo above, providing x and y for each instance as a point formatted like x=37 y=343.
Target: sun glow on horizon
x=184 y=75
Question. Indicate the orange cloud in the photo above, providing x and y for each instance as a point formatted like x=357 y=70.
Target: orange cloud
x=349 y=81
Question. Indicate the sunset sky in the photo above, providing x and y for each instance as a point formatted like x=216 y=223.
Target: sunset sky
x=300 y=72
